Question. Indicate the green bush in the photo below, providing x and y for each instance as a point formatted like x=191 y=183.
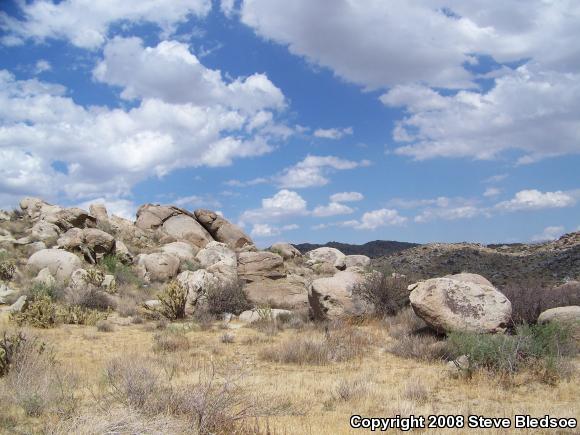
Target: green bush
x=7 y=270
x=123 y=273
x=173 y=300
x=9 y=346
x=535 y=347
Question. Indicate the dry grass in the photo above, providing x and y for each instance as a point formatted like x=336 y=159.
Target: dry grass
x=297 y=399
x=170 y=341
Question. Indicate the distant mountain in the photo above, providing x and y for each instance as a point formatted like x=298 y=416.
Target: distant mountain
x=375 y=249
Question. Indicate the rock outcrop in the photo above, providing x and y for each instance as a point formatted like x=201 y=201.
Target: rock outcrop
x=567 y=316
x=224 y=231
x=286 y=251
x=451 y=304
x=60 y=263
x=330 y=256
x=158 y=266
x=332 y=297
x=256 y=266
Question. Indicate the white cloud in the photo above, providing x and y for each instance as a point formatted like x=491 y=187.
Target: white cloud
x=87 y=23
x=441 y=201
x=170 y=72
x=528 y=110
x=495 y=178
x=42 y=66
x=283 y=204
x=333 y=133
x=369 y=42
x=194 y=201
x=105 y=152
x=228 y=7
x=549 y=233
x=332 y=209
x=535 y=200
x=377 y=218
x=267 y=230
x=347 y=197
x=313 y=170
x=491 y=192
x=452 y=213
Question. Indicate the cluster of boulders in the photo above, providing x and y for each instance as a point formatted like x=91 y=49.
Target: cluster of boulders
x=202 y=249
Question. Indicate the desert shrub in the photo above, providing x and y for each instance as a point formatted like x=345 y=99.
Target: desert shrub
x=349 y=389
x=529 y=299
x=539 y=348
x=131 y=381
x=39 y=290
x=104 y=326
x=170 y=341
x=414 y=390
x=386 y=293
x=423 y=347
x=333 y=346
x=37 y=383
x=123 y=273
x=173 y=299
x=7 y=269
x=90 y=297
x=203 y=318
x=227 y=338
x=9 y=346
x=227 y=297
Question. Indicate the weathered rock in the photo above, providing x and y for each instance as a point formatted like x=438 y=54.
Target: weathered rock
x=152 y=216
x=470 y=277
x=109 y=284
x=5 y=292
x=220 y=260
x=458 y=365
x=448 y=305
x=332 y=297
x=35 y=247
x=253 y=266
x=182 y=250
x=184 y=227
x=568 y=315
x=71 y=240
x=79 y=279
x=223 y=230
x=357 y=261
x=60 y=263
x=99 y=242
x=44 y=277
x=19 y=305
x=254 y=315
x=43 y=230
x=99 y=211
x=153 y=305
x=278 y=293
x=4 y=216
x=327 y=255
x=34 y=208
x=122 y=253
x=286 y=251
x=159 y=266
x=197 y=284
x=73 y=217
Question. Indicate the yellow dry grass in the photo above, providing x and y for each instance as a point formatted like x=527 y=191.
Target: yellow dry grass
x=307 y=398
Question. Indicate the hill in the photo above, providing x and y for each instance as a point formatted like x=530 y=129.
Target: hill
x=374 y=249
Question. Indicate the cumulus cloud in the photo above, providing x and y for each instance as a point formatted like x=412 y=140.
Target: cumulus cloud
x=267 y=230
x=87 y=23
x=533 y=199
x=529 y=110
x=491 y=192
x=375 y=219
x=105 y=152
x=41 y=66
x=347 y=197
x=283 y=204
x=170 y=72
x=333 y=133
x=549 y=234
x=228 y=7
x=124 y=208
x=369 y=43
x=452 y=213
x=332 y=209
x=313 y=170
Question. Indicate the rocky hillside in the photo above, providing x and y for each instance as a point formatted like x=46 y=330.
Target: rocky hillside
x=548 y=264
x=374 y=249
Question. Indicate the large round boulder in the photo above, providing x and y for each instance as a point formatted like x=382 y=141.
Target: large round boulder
x=184 y=227
x=224 y=231
x=448 y=304
x=182 y=250
x=332 y=297
x=357 y=261
x=152 y=216
x=159 y=266
x=255 y=266
x=567 y=316
x=197 y=284
x=330 y=256
x=60 y=263
x=470 y=277
x=220 y=260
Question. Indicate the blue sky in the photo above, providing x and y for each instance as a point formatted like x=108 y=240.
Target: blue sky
x=421 y=121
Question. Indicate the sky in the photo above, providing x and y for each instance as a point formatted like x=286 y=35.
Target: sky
x=301 y=121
